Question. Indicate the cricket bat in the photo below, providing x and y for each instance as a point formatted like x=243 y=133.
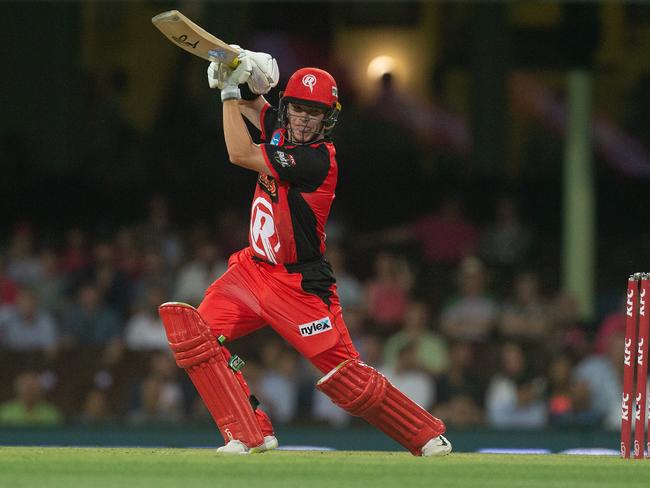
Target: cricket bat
x=189 y=36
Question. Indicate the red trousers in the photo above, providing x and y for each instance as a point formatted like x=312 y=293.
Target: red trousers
x=252 y=294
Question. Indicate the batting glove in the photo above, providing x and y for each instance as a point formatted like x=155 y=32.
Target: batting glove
x=218 y=74
x=264 y=72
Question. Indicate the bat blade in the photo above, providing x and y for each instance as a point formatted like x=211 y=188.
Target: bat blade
x=188 y=36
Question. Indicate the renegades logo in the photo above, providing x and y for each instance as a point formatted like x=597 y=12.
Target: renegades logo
x=285 y=160
x=264 y=236
x=315 y=327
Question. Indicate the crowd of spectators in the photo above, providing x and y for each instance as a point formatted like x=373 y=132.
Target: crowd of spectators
x=451 y=311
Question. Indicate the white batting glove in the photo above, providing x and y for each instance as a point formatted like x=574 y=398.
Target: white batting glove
x=240 y=75
x=264 y=72
x=218 y=73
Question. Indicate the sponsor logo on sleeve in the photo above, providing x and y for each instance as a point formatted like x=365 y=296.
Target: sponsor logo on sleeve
x=283 y=159
x=276 y=140
x=316 y=327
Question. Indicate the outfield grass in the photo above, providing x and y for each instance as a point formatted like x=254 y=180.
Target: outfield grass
x=185 y=468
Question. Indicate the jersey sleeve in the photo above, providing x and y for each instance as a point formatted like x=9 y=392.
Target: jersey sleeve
x=304 y=166
x=268 y=121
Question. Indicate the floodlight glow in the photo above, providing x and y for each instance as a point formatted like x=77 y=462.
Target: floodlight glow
x=379 y=66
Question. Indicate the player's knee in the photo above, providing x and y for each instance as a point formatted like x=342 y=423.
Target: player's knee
x=193 y=351
x=365 y=387
x=189 y=337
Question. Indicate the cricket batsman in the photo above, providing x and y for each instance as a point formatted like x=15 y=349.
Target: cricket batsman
x=281 y=279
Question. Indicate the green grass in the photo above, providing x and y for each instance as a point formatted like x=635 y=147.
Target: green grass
x=185 y=468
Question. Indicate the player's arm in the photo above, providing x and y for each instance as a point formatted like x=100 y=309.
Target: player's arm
x=242 y=151
x=252 y=109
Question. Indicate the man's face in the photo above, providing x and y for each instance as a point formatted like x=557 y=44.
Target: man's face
x=304 y=122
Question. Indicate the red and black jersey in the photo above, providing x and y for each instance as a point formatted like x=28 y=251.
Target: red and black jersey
x=290 y=208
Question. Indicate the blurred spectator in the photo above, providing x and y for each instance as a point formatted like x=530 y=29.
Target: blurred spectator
x=445 y=237
x=460 y=412
x=612 y=325
x=387 y=292
x=96 y=409
x=371 y=349
x=27 y=326
x=602 y=373
x=89 y=321
x=560 y=397
x=144 y=330
x=506 y=241
x=22 y=264
x=348 y=286
x=160 y=393
x=355 y=321
x=127 y=255
x=51 y=288
x=196 y=276
x=75 y=256
x=430 y=349
x=110 y=282
x=154 y=275
x=277 y=385
x=8 y=287
x=568 y=332
x=408 y=377
x=157 y=233
x=514 y=399
x=28 y=407
x=471 y=316
x=524 y=316
x=569 y=401
x=232 y=230
x=460 y=383
x=324 y=410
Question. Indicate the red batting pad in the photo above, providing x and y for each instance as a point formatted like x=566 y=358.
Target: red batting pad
x=365 y=392
x=197 y=351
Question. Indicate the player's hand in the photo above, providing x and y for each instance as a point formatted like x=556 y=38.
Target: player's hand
x=218 y=74
x=264 y=72
x=239 y=75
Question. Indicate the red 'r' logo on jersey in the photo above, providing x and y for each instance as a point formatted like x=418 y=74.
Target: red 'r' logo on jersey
x=264 y=235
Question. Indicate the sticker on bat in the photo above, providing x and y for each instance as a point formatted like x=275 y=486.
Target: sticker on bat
x=183 y=40
x=217 y=54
